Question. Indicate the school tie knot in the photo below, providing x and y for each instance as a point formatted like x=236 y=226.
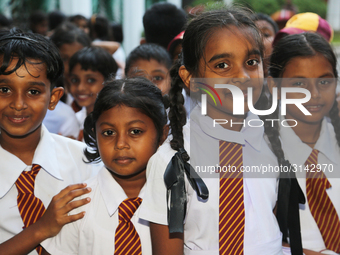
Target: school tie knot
x=26 y=180
x=127 y=241
x=314 y=173
x=127 y=208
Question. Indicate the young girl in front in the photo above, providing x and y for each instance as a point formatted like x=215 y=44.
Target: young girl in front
x=88 y=69
x=307 y=61
x=127 y=125
x=223 y=44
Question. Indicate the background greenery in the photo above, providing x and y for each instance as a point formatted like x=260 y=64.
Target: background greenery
x=271 y=6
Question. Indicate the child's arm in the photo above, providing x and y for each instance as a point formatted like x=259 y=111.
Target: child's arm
x=164 y=243
x=109 y=46
x=55 y=217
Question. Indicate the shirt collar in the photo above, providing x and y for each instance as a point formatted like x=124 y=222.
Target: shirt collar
x=44 y=155
x=326 y=143
x=298 y=152
x=252 y=135
x=112 y=193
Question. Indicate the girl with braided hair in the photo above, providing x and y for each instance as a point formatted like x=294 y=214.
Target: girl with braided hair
x=221 y=212
x=312 y=142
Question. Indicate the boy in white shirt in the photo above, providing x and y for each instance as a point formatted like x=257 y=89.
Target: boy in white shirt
x=35 y=165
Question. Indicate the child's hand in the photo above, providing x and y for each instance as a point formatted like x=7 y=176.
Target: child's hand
x=56 y=215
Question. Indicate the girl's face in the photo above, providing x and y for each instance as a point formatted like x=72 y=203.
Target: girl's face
x=314 y=73
x=85 y=85
x=152 y=70
x=126 y=139
x=230 y=54
x=268 y=34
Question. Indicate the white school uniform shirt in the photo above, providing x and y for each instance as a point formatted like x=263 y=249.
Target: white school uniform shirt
x=81 y=116
x=297 y=153
x=62 y=120
x=95 y=233
x=201 y=228
x=62 y=164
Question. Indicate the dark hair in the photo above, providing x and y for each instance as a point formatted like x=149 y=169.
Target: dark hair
x=69 y=33
x=194 y=42
x=96 y=59
x=37 y=17
x=147 y=52
x=75 y=18
x=265 y=17
x=99 y=28
x=55 y=19
x=137 y=93
x=304 y=45
x=116 y=32
x=4 y=21
x=26 y=47
x=162 y=22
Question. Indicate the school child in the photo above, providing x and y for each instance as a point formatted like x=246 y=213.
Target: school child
x=124 y=130
x=269 y=29
x=89 y=68
x=175 y=46
x=81 y=22
x=38 y=22
x=306 y=22
x=69 y=39
x=35 y=165
x=307 y=61
x=162 y=22
x=152 y=62
x=217 y=44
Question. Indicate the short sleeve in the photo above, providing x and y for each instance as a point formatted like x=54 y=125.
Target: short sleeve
x=154 y=205
x=65 y=243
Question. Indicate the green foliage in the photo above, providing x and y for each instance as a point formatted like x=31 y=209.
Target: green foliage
x=266 y=6
x=271 y=6
x=205 y=2
x=316 y=6
x=247 y=3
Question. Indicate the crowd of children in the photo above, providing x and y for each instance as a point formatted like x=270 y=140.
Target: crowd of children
x=148 y=154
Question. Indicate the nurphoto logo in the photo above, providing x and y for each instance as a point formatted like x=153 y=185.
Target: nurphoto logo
x=238 y=98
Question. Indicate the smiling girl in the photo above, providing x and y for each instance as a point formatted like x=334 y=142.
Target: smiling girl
x=89 y=68
x=307 y=61
x=221 y=47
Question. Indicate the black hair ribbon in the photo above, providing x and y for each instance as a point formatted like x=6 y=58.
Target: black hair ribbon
x=175 y=183
x=290 y=196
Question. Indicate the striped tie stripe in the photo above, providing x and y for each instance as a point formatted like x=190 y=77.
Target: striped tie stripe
x=127 y=241
x=321 y=206
x=30 y=207
x=231 y=209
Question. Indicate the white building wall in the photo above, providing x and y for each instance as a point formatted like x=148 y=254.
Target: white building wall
x=132 y=23
x=72 y=7
x=333 y=14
